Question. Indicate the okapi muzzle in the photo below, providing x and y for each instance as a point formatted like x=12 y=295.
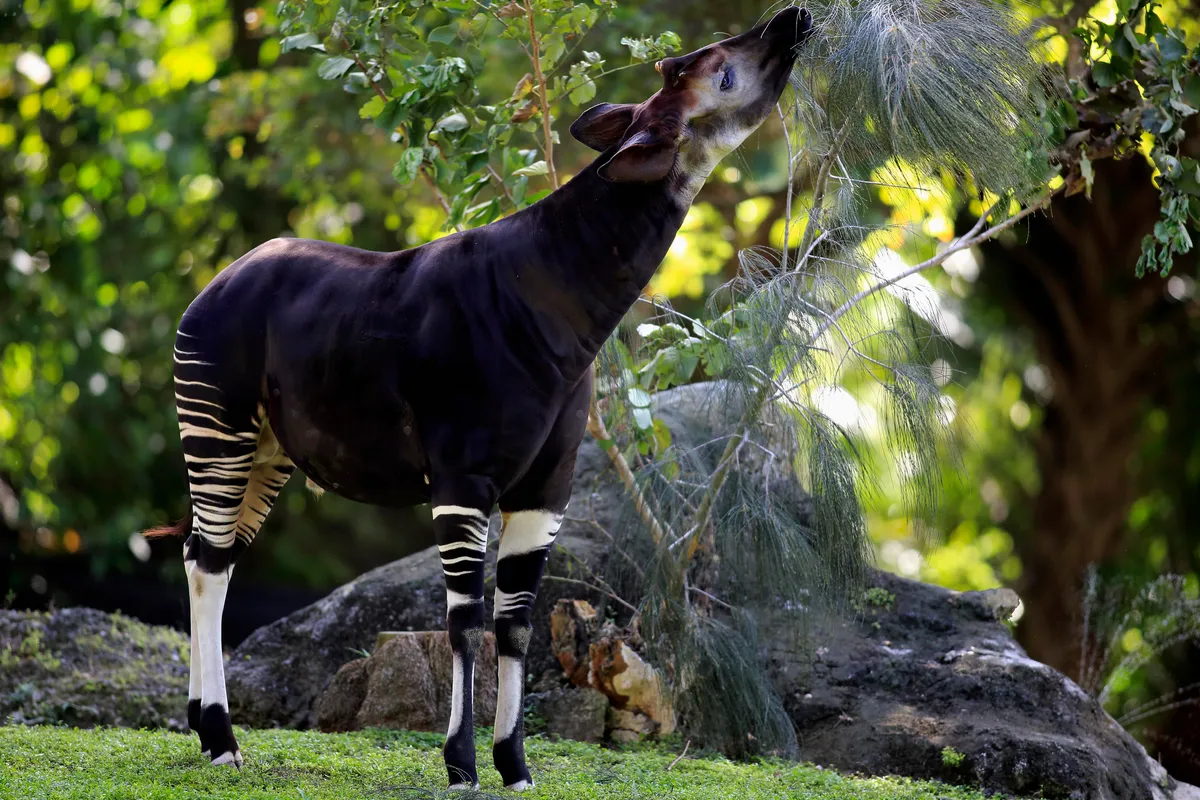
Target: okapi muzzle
x=710 y=102
x=456 y=374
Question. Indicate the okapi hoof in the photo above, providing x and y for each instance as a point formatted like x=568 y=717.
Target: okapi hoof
x=193 y=718
x=509 y=758
x=216 y=736
x=463 y=787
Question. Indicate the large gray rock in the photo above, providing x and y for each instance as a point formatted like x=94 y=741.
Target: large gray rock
x=920 y=669
x=572 y=713
x=407 y=684
x=83 y=668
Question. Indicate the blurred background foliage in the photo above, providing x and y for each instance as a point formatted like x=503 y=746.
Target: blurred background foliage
x=147 y=144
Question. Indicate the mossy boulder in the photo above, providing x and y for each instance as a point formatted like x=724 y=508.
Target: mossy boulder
x=84 y=668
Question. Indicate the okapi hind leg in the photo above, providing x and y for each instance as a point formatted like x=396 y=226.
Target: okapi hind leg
x=235 y=471
x=460 y=523
x=209 y=569
x=195 y=677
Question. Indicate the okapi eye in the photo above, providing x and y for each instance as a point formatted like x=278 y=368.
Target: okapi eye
x=727 y=79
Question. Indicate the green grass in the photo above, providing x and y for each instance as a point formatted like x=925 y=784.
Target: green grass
x=42 y=763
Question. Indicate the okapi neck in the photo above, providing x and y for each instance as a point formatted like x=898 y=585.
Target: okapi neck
x=605 y=240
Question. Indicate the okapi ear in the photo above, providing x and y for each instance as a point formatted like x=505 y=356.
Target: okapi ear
x=602 y=126
x=644 y=158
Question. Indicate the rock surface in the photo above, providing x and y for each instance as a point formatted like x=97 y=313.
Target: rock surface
x=406 y=684
x=572 y=713
x=919 y=669
x=81 y=667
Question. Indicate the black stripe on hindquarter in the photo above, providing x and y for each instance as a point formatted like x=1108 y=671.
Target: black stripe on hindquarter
x=212 y=559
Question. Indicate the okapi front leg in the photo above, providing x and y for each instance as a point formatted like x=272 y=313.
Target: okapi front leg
x=524 y=545
x=462 y=534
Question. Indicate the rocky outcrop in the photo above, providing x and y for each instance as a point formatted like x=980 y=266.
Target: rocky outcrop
x=84 y=668
x=929 y=683
x=406 y=683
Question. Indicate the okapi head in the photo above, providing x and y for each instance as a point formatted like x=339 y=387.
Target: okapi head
x=710 y=102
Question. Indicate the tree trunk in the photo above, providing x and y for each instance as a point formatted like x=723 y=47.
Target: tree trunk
x=1102 y=334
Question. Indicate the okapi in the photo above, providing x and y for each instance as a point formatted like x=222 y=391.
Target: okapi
x=457 y=373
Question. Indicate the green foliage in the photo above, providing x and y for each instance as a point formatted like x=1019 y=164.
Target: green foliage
x=108 y=764
x=1127 y=629
x=951 y=757
x=1144 y=82
x=738 y=530
x=423 y=66
x=878 y=597
x=147 y=154
x=94 y=669
x=948 y=85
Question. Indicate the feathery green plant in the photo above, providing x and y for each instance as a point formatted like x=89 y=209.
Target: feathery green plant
x=765 y=518
x=1128 y=627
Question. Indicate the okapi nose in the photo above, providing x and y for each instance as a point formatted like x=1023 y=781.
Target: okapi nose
x=672 y=68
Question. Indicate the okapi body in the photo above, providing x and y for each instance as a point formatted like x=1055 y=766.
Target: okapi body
x=456 y=374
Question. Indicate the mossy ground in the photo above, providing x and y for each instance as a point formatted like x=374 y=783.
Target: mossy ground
x=81 y=667
x=119 y=764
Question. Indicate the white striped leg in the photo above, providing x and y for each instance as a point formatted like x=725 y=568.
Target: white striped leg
x=462 y=534
x=207 y=593
x=219 y=448
x=195 y=676
x=524 y=544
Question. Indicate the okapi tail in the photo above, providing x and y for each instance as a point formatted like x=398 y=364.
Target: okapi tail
x=181 y=528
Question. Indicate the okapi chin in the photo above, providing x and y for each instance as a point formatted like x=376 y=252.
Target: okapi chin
x=456 y=374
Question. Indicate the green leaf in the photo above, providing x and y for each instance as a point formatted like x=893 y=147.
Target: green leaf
x=392 y=115
x=444 y=35
x=642 y=418
x=333 y=68
x=484 y=213
x=583 y=93
x=475 y=161
x=536 y=168
x=639 y=397
x=301 y=41
x=1169 y=48
x=647 y=329
x=685 y=367
x=452 y=122
x=1103 y=74
x=662 y=436
x=409 y=165
x=1182 y=108
x=371 y=108
x=1089 y=174
x=1189 y=181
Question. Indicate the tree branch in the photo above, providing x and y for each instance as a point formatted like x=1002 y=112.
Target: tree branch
x=543 y=99
x=599 y=432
